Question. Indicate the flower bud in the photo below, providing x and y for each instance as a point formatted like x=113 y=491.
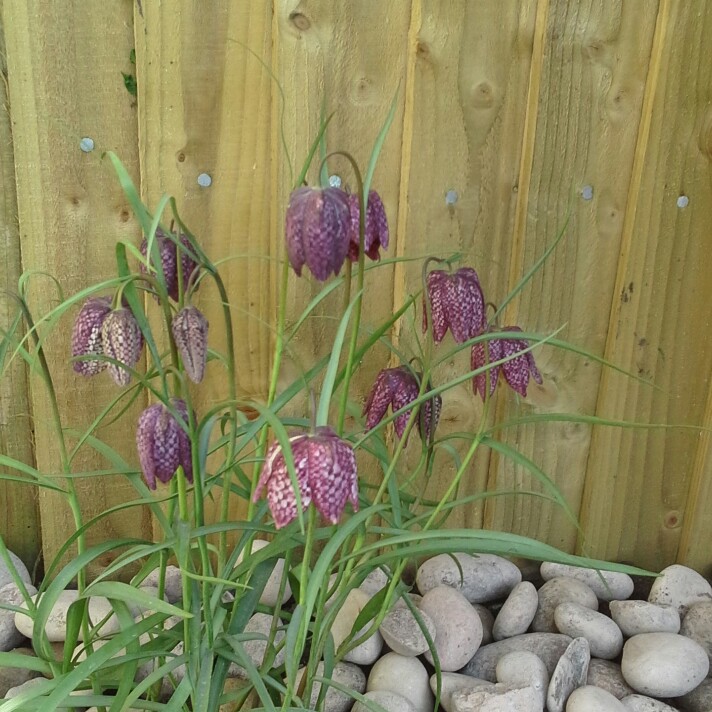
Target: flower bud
x=317 y=230
x=190 y=332
x=86 y=335
x=163 y=445
x=122 y=340
x=326 y=475
x=168 y=250
x=376 y=228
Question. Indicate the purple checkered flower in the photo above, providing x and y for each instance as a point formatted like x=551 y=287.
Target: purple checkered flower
x=168 y=251
x=456 y=303
x=326 y=475
x=163 y=445
x=190 y=332
x=397 y=387
x=517 y=370
x=376 y=228
x=317 y=229
x=86 y=336
x=122 y=340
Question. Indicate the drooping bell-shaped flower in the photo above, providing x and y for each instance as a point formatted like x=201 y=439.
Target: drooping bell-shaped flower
x=517 y=370
x=317 y=229
x=163 y=445
x=190 y=332
x=86 y=335
x=456 y=303
x=122 y=340
x=326 y=475
x=397 y=387
x=376 y=228
x=170 y=260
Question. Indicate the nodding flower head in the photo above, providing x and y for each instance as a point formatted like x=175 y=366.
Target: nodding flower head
x=326 y=475
x=456 y=303
x=397 y=387
x=86 y=336
x=168 y=251
x=122 y=340
x=517 y=370
x=190 y=332
x=163 y=445
x=376 y=228
x=317 y=229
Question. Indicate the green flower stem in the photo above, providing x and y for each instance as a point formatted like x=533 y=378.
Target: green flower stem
x=306 y=557
x=347 y=285
x=185 y=579
x=232 y=385
x=356 y=323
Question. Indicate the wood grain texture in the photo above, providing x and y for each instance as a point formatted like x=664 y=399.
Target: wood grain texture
x=637 y=483
x=593 y=71
x=204 y=108
x=352 y=57
x=65 y=85
x=18 y=502
x=469 y=96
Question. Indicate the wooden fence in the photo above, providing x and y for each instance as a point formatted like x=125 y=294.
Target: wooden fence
x=511 y=116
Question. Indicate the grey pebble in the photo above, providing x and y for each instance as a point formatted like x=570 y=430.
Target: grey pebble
x=548 y=646
x=607 y=585
x=403 y=632
x=663 y=664
x=524 y=669
x=6 y=576
x=346 y=674
x=604 y=636
x=451 y=682
x=404 y=676
x=570 y=673
x=635 y=617
x=641 y=703
x=700 y=699
x=517 y=612
x=593 y=699
x=10 y=636
x=502 y=698
x=458 y=629
x=608 y=676
x=680 y=586
x=481 y=578
x=697 y=624
x=390 y=701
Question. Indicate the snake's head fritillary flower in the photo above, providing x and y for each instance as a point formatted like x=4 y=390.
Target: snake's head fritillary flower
x=517 y=370
x=122 y=340
x=326 y=475
x=190 y=332
x=168 y=251
x=163 y=445
x=317 y=229
x=397 y=387
x=456 y=303
x=376 y=228
x=86 y=336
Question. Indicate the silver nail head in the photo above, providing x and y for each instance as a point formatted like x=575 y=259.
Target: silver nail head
x=86 y=144
x=204 y=180
x=335 y=181
x=682 y=201
x=587 y=192
x=451 y=197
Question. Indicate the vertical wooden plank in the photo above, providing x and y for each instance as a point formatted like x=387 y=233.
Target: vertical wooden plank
x=65 y=64
x=638 y=483
x=469 y=98
x=353 y=57
x=590 y=81
x=20 y=528
x=205 y=104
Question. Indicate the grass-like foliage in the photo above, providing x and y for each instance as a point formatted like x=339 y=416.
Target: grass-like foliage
x=295 y=473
